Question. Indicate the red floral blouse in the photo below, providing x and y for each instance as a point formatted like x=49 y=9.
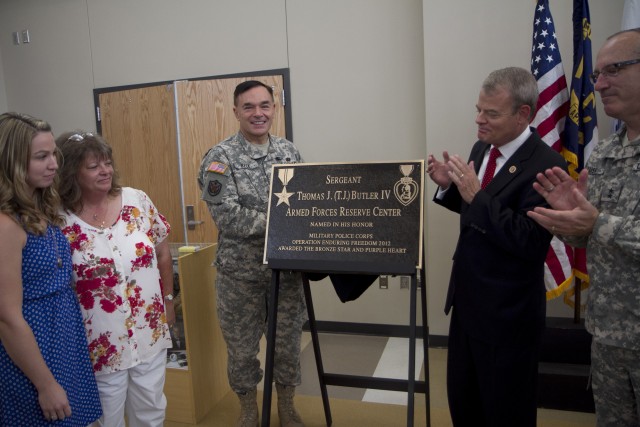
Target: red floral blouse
x=118 y=284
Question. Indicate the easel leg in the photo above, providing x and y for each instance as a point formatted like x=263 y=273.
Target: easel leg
x=425 y=345
x=272 y=318
x=412 y=354
x=316 y=349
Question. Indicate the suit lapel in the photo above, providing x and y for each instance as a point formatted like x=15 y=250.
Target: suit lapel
x=513 y=167
x=477 y=161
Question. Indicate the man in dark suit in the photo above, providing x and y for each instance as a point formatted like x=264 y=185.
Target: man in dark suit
x=496 y=288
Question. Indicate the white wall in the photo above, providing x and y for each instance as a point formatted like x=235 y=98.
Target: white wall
x=371 y=80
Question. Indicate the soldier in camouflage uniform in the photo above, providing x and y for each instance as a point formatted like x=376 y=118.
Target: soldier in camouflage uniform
x=607 y=223
x=234 y=178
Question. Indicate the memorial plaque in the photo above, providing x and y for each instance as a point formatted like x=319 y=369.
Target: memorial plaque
x=346 y=217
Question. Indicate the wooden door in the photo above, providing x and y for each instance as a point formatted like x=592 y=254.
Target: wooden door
x=140 y=126
x=205 y=114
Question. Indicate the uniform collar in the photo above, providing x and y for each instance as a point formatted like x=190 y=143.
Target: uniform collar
x=252 y=150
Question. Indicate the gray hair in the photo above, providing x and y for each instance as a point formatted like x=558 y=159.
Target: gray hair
x=636 y=48
x=518 y=82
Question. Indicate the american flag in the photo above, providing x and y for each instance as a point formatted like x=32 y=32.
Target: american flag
x=552 y=109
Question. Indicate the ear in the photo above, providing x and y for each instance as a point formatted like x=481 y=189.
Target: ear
x=235 y=112
x=524 y=112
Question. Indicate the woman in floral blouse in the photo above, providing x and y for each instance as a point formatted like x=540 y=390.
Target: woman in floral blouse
x=123 y=275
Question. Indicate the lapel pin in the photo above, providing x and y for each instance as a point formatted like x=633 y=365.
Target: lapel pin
x=512 y=169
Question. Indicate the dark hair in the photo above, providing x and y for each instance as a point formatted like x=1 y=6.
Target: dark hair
x=249 y=84
x=16 y=198
x=75 y=147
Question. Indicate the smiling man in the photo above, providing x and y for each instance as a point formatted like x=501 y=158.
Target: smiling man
x=601 y=212
x=234 y=178
x=496 y=290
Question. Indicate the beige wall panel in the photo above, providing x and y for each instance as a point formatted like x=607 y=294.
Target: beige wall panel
x=50 y=77
x=358 y=95
x=158 y=40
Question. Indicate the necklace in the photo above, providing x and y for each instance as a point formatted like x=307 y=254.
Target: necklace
x=95 y=219
x=54 y=243
x=100 y=212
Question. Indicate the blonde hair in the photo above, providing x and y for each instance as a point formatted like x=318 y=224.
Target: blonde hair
x=33 y=210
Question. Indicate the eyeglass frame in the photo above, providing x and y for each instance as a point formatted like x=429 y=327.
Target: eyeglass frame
x=79 y=137
x=616 y=66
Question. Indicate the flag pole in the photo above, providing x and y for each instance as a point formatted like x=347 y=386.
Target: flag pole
x=581 y=131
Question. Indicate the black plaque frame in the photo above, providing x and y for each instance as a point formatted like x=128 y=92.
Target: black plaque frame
x=341 y=216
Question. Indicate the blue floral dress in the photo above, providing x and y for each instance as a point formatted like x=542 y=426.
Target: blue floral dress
x=51 y=309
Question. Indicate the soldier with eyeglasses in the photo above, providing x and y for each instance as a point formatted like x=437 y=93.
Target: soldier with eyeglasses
x=601 y=211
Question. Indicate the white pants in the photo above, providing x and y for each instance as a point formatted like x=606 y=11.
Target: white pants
x=136 y=392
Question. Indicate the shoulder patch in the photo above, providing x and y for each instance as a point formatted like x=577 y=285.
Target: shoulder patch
x=217 y=167
x=214 y=187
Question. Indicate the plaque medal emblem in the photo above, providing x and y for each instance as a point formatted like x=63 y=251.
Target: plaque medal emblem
x=284 y=175
x=406 y=189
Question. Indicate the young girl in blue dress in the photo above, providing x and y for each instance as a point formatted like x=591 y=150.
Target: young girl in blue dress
x=46 y=378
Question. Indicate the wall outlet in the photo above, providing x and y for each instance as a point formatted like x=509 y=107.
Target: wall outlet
x=384 y=282
x=404 y=282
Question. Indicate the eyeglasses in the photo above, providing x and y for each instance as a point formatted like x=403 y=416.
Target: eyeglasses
x=79 y=137
x=611 y=70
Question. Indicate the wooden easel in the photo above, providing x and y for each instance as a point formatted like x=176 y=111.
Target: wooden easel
x=410 y=385
x=345 y=207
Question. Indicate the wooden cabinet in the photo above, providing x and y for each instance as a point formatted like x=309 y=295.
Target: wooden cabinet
x=192 y=391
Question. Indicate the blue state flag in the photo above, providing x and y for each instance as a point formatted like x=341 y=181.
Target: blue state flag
x=581 y=131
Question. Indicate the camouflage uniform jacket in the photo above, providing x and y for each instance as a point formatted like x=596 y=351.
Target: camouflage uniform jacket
x=613 y=248
x=234 y=178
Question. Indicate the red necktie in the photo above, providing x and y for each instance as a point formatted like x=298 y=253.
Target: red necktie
x=491 y=167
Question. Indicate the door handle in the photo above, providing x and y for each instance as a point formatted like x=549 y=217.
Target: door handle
x=191 y=221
